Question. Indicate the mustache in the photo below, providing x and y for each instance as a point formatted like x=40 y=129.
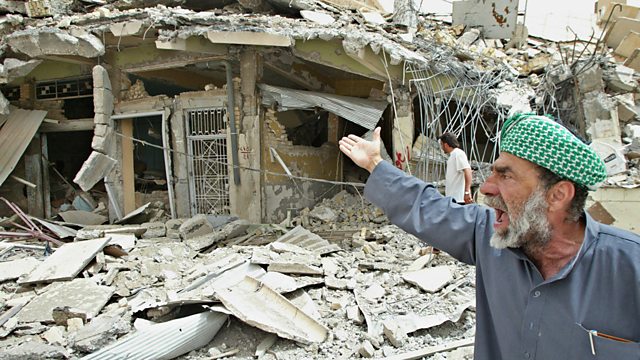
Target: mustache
x=496 y=202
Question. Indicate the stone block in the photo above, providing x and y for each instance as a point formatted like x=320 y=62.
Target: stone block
x=394 y=332
x=195 y=227
x=94 y=169
x=101 y=130
x=102 y=101
x=101 y=78
x=173 y=228
x=154 y=230
x=102 y=119
x=102 y=144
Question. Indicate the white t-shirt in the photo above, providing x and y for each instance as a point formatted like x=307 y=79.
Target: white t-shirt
x=454 y=180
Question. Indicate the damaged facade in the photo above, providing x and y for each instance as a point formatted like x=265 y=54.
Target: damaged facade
x=186 y=124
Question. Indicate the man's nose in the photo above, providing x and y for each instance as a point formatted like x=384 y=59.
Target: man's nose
x=489 y=188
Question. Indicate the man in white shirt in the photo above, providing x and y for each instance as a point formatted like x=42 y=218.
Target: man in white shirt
x=458 y=177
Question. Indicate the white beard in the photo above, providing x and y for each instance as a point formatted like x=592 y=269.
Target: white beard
x=528 y=227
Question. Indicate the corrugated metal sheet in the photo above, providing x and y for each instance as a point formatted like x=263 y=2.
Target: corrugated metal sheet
x=165 y=340
x=306 y=239
x=15 y=136
x=363 y=112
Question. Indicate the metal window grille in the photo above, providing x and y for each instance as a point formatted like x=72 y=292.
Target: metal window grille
x=208 y=170
x=64 y=88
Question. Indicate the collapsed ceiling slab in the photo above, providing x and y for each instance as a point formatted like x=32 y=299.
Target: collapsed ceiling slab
x=53 y=41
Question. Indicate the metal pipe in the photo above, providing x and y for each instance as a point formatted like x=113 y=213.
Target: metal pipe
x=232 y=124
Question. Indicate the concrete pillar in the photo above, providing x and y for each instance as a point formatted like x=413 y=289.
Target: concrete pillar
x=246 y=198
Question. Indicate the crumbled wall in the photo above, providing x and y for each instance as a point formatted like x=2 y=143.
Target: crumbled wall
x=281 y=193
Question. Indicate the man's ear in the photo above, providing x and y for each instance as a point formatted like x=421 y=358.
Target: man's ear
x=560 y=195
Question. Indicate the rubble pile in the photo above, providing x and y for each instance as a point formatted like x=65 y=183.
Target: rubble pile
x=371 y=291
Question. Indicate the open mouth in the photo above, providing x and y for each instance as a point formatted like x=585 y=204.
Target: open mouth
x=501 y=217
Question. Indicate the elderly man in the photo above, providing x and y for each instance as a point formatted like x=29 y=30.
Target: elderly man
x=551 y=282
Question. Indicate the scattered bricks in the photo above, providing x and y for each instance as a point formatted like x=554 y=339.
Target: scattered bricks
x=366 y=349
x=61 y=315
x=195 y=227
x=354 y=314
x=394 y=332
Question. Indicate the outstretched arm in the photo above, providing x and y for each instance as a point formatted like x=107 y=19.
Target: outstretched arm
x=364 y=153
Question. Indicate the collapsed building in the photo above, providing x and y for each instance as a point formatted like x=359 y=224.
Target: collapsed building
x=193 y=122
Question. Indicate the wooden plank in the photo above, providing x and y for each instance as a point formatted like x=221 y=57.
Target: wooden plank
x=15 y=136
x=33 y=172
x=67 y=261
x=46 y=184
x=128 y=179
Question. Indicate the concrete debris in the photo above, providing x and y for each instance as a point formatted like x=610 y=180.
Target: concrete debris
x=94 y=169
x=264 y=308
x=430 y=279
x=52 y=41
x=10 y=270
x=315 y=257
x=66 y=262
x=15 y=68
x=82 y=294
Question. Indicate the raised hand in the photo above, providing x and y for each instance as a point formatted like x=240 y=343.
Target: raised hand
x=364 y=153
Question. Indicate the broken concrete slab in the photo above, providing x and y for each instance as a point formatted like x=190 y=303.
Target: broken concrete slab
x=622 y=79
x=82 y=217
x=82 y=294
x=94 y=169
x=166 y=340
x=100 y=331
x=265 y=309
x=248 y=38
x=126 y=28
x=34 y=350
x=303 y=301
x=15 y=68
x=10 y=270
x=318 y=17
x=136 y=216
x=53 y=41
x=430 y=279
x=66 y=262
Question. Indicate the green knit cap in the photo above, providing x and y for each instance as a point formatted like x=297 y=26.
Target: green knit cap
x=545 y=142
